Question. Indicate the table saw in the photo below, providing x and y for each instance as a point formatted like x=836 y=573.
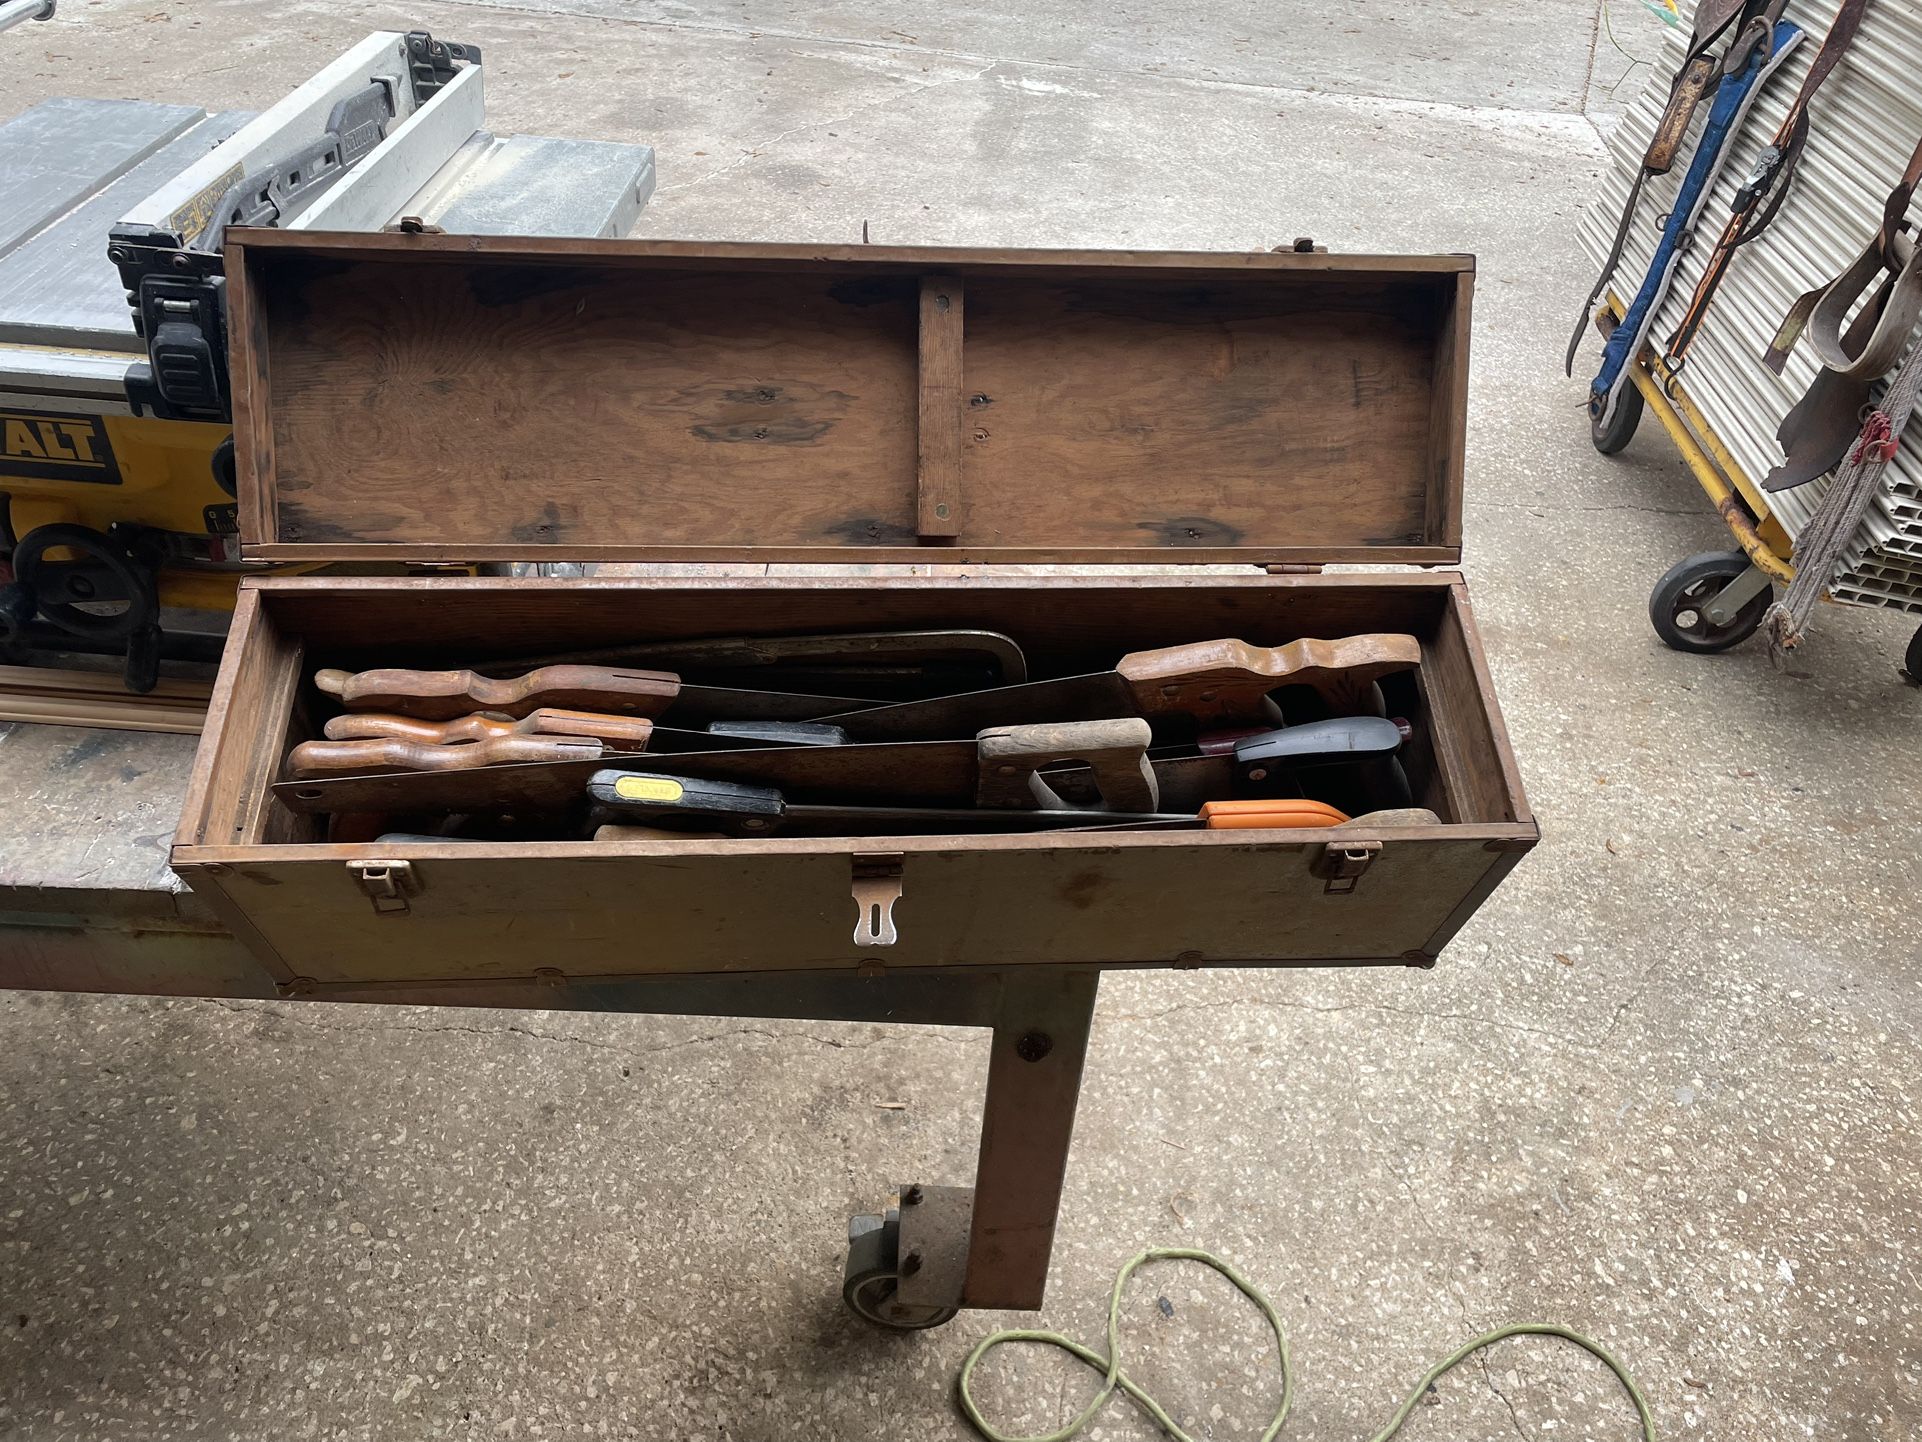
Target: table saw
x=114 y=398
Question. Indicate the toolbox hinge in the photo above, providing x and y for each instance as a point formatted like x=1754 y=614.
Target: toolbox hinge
x=1342 y=863
x=877 y=886
x=1293 y=568
x=387 y=884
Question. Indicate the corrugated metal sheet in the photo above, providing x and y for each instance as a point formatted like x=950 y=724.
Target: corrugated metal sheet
x=1863 y=124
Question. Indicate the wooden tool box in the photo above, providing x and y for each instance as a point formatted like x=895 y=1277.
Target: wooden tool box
x=443 y=399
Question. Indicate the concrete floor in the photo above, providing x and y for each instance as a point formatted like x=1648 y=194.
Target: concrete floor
x=1663 y=1088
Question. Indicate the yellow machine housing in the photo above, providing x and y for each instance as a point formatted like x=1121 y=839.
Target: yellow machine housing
x=60 y=466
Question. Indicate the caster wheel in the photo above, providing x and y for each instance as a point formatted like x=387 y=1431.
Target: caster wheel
x=1676 y=607
x=873 y=1276
x=1620 y=430
x=1912 y=659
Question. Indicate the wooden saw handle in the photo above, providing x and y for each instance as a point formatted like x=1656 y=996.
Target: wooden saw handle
x=1226 y=680
x=445 y=695
x=1691 y=86
x=385 y=754
x=620 y=733
x=1011 y=758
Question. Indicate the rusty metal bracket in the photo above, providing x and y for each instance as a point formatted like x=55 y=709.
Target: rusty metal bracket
x=1341 y=864
x=387 y=884
x=934 y=1246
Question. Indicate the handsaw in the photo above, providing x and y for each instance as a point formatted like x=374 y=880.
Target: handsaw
x=627 y=801
x=445 y=695
x=735 y=808
x=485 y=742
x=890 y=665
x=929 y=773
x=1197 y=685
x=1215 y=816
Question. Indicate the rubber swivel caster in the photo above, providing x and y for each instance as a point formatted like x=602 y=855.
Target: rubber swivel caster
x=1619 y=430
x=1709 y=602
x=1912 y=659
x=873 y=1276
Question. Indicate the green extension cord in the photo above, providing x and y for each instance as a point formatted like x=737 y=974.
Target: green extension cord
x=1114 y=1378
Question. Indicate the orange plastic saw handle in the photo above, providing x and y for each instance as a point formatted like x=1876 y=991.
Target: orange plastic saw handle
x=1224 y=681
x=377 y=755
x=1286 y=814
x=620 y=733
x=445 y=695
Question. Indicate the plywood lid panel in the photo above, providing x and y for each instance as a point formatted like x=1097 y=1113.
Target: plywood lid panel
x=440 y=398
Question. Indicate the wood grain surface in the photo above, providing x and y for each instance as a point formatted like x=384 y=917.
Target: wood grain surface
x=1225 y=678
x=937 y=493
x=666 y=906
x=446 y=695
x=375 y=755
x=1116 y=752
x=658 y=401
x=621 y=733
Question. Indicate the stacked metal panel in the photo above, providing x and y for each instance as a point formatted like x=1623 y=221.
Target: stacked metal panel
x=1863 y=124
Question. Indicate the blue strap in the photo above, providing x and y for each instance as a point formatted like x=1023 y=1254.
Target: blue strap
x=1731 y=105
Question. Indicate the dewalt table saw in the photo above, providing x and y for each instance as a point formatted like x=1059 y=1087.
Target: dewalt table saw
x=114 y=409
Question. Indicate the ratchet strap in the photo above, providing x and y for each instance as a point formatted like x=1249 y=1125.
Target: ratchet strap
x=1699 y=76
x=1733 y=100
x=1856 y=353
x=1762 y=194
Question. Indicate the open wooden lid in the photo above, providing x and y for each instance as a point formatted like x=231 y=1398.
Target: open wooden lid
x=453 y=398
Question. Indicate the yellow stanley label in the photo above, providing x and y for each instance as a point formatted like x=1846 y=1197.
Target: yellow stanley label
x=648 y=788
x=56 y=447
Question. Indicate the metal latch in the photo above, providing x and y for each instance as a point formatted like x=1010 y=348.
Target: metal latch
x=877 y=886
x=388 y=884
x=1342 y=863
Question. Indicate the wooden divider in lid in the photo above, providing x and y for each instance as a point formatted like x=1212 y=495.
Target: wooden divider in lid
x=478 y=398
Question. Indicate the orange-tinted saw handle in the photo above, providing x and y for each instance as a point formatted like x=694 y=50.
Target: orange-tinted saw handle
x=620 y=733
x=379 y=755
x=445 y=695
x=1291 y=813
x=1225 y=681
